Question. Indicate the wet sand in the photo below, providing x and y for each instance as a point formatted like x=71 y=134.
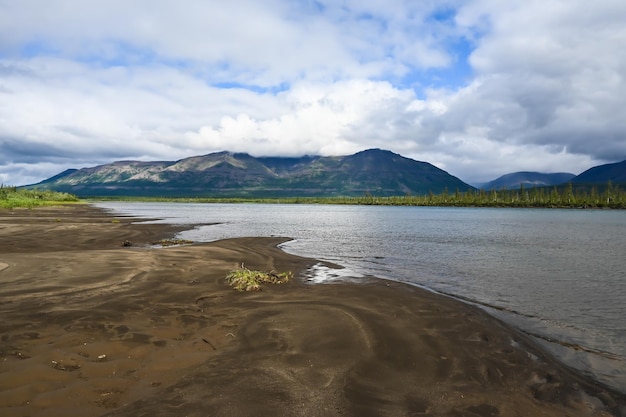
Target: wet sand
x=89 y=327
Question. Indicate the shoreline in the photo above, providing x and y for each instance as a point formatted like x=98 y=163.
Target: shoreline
x=93 y=328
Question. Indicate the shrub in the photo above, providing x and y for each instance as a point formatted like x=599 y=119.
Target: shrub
x=11 y=197
x=244 y=279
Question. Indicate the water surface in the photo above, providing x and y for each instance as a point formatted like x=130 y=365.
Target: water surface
x=556 y=274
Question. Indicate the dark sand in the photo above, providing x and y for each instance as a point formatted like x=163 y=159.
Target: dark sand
x=90 y=328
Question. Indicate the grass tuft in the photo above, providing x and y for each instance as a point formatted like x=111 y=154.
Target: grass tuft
x=172 y=242
x=244 y=279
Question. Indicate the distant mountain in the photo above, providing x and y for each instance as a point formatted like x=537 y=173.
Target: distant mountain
x=602 y=174
x=528 y=179
x=226 y=174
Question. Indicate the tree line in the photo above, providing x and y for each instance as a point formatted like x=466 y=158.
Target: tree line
x=568 y=196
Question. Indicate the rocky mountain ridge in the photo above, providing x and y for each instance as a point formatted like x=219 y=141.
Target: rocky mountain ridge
x=227 y=174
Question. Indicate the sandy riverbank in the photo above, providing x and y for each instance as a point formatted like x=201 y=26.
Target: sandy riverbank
x=89 y=328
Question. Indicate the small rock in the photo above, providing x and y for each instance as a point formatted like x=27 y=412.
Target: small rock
x=127 y=243
x=69 y=367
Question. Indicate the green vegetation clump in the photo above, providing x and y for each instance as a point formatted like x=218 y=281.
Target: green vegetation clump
x=12 y=197
x=244 y=279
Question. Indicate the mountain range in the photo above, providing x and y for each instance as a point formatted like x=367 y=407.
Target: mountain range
x=599 y=175
x=226 y=174
x=527 y=179
x=616 y=173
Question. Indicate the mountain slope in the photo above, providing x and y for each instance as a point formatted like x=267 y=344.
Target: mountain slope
x=226 y=174
x=602 y=174
x=528 y=179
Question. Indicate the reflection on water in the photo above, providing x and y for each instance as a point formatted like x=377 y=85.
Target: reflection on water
x=557 y=274
x=322 y=274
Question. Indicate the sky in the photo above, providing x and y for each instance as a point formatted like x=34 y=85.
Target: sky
x=479 y=88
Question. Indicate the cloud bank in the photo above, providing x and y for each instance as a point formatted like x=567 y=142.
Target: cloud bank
x=479 y=88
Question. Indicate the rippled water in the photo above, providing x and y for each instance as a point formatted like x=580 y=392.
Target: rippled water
x=557 y=274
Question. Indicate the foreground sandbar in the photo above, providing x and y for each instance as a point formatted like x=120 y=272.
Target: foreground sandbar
x=92 y=328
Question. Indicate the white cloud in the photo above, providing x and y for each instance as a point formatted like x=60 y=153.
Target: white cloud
x=88 y=83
